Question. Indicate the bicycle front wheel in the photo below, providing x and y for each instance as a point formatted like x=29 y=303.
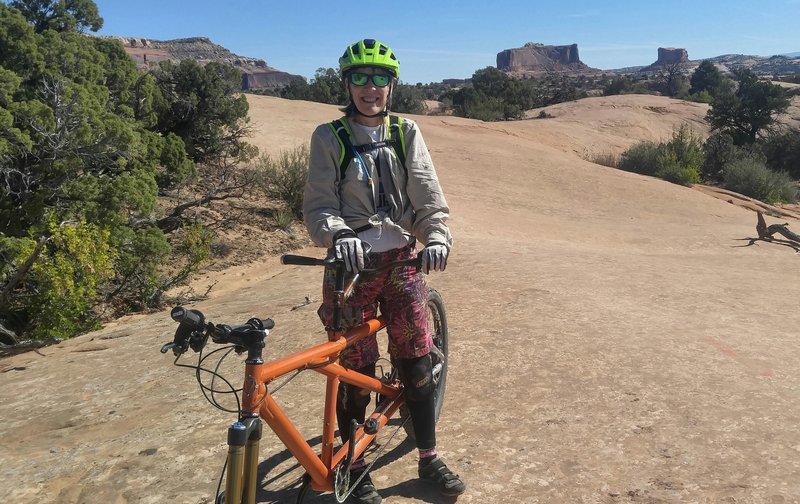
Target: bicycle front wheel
x=437 y=323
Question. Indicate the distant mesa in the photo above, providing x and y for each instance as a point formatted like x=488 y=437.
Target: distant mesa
x=256 y=74
x=671 y=56
x=668 y=57
x=534 y=58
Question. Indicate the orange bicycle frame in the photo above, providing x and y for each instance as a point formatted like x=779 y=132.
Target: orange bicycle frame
x=244 y=436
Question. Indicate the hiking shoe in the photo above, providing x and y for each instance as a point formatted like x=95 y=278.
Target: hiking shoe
x=437 y=472
x=364 y=492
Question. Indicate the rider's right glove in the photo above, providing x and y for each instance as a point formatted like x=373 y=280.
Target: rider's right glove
x=434 y=257
x=351 y=250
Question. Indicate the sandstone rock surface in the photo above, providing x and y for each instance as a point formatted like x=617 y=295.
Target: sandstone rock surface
x=613 y=338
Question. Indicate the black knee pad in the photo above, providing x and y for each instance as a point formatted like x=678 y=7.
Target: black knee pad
x=417 y=376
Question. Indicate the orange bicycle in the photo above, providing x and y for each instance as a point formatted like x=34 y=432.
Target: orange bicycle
x=328 y=470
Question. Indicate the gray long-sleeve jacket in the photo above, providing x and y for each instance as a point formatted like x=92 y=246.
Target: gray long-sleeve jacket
x=416 y=203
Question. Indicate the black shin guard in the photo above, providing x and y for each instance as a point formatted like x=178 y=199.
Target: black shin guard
x=352 y=404
x=417 y=376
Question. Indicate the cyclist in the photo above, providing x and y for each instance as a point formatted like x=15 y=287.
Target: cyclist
x=365 y=192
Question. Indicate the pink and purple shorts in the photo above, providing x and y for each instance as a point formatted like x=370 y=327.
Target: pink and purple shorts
x=401 y=295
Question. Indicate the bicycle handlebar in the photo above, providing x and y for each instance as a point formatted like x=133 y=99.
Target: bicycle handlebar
x=298 y=260
x=193 y=329
x=193 y=332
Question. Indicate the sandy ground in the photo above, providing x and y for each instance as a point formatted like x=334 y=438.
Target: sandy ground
x=613 y=338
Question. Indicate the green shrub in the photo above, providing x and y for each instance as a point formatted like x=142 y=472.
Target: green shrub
x=751 y=177
x=682 y=158
x=705 y=79
x=195 y=247
x=641 y=158
x=783 y=152
x=719 y=152
x=284 y=178
x=283 y=219
x=475 y=104
x=701 y=97
x=408 y=100
x=672 y=169
x=58 y=293
x=618 y=85
x=678 y=160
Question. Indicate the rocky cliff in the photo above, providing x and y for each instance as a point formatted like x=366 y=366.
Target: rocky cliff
x=256 y=74
x=671 y=56
x=535 y=58
x=760 y=65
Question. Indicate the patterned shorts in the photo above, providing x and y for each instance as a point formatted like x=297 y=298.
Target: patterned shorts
x=401 y=295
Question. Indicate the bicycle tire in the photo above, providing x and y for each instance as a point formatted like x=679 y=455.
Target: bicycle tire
x=437 y=320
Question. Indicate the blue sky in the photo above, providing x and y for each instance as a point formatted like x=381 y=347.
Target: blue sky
x=451 y=39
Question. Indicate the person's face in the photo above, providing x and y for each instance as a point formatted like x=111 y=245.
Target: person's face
x=369 y=97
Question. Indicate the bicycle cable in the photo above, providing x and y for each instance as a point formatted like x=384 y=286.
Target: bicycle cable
x=217 y=374
x=219 y=483
x=206 y=389
x=203 y=388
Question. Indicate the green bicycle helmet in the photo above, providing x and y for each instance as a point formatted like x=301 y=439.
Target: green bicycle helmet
x=369 y=52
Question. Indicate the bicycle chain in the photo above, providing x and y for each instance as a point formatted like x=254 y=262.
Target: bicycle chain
x=336 y=487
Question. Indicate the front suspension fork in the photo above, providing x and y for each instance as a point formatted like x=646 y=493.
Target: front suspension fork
x=244 y=438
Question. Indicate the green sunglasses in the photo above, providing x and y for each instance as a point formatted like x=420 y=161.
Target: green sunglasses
x=361 y=79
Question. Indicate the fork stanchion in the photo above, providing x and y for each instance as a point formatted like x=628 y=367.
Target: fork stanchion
x=250 y=469
x=237 y=437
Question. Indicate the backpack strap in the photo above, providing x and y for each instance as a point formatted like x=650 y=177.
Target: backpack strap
x=397 y=138
x=339 y=128
x=348 y=151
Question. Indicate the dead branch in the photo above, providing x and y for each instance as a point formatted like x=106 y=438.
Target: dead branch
x=173 y=221
x=766 y=232
x=26 y=346
x=7 y=336
x=22 y=271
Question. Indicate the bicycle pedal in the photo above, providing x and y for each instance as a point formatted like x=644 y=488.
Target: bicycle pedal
x=371 y=426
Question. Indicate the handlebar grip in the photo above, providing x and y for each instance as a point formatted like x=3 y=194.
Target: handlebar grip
x=297 y=260
x=257 y=323
x=192 y=318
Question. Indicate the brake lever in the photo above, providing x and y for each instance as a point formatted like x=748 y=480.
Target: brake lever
x=177 y=349
x=184 y=336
